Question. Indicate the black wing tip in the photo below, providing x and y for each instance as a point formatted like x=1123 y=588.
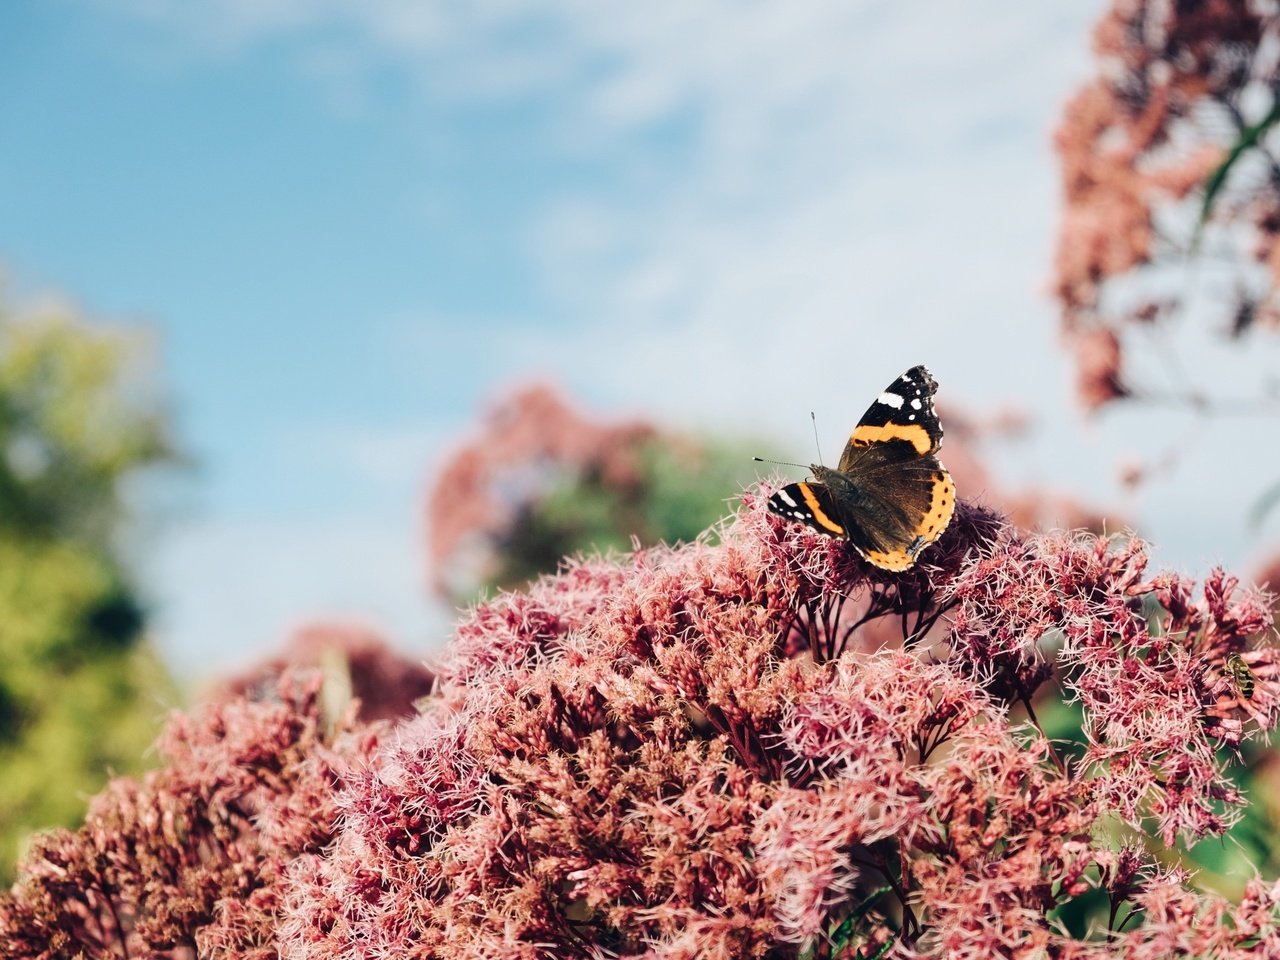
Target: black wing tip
x=920 y=371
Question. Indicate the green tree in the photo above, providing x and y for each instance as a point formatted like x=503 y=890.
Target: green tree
x=80 y=690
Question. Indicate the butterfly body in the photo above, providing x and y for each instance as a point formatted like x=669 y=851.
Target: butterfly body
x=890 y=496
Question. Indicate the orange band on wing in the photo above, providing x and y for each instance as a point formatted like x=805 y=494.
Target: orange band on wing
x=942 y=506
x=811 y=502
x=913 y=433
x=894 y=560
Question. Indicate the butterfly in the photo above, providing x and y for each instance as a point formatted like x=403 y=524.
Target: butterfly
x=890 y=496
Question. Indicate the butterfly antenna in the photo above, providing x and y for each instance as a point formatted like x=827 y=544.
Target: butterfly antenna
x=815 y=436
x=780 y=463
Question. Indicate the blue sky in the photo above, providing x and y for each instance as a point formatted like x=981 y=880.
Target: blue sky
x=285 y=246
x=350 y=223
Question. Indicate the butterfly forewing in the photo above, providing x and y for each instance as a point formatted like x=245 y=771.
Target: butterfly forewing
x=809 y=503
x=901 y=417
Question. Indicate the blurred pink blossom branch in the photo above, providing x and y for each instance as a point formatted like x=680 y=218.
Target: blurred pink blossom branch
x=1168 y=158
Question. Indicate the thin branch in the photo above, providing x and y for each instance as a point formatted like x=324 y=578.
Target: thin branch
x=1053 y=754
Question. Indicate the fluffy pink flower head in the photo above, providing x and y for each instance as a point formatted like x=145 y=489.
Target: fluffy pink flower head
x=189 y=860
x=754 y=745
x=356 y=663
x=693 y=752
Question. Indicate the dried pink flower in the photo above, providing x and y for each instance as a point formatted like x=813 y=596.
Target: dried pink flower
x=188 y=861
x=689 y=753
x=1169 y=105
x=362 y=663
x=1098 y=359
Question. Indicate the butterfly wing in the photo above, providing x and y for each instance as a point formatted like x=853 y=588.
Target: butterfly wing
x=901 y=417
x=890 y=496
x=905 y=497
x=903 y=505
x=811 y=504
x=900 y=507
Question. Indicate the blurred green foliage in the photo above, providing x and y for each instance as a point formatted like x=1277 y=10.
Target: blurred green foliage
x=679 y=489
x=80 y=691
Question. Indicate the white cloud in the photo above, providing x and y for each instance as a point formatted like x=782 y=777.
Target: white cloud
x=230 y=591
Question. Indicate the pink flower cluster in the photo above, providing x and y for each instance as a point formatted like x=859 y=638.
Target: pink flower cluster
x=754 y=745
x=1140 y=144
x=190 y=860
x=356 y=663
x=529 y=440
x=1146 y=662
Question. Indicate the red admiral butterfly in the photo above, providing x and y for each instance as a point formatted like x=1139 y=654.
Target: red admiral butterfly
x=890 y=496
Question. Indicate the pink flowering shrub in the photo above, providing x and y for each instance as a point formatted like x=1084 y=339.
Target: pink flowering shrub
x=357 y=661
x=188 y=861
x=710 y=751
x=541 y=479
x=529 y=441
x=1167 y=154
x=689 y=754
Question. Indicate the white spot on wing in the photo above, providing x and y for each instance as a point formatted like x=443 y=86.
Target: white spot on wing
x=890 y=400
x=785 y=498
x=915 y=404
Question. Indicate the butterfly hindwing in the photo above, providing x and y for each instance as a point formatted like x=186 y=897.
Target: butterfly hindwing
x=901 y=511
x=890 y=496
